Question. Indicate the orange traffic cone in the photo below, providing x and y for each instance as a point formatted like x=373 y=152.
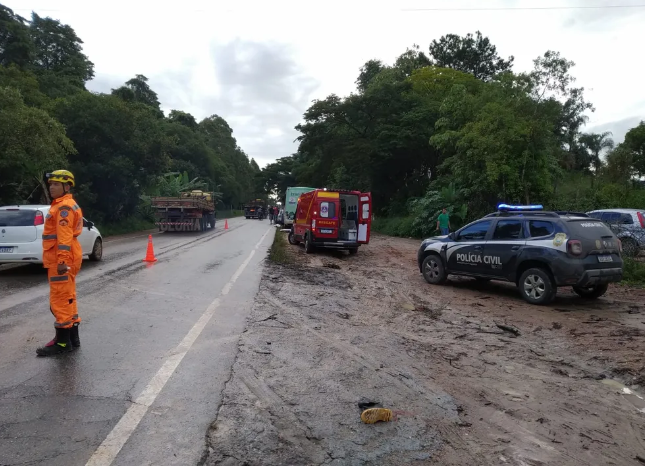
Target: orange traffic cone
x=226 y=224
x=150 y=254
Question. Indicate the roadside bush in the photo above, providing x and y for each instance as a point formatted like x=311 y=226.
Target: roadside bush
x=634 y=272
x=278 y=253
x=395 y=226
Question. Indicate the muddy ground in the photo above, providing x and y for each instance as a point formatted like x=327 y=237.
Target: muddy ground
x=333 y=330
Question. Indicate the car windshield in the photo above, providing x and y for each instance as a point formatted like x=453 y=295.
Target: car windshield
x=17 y=218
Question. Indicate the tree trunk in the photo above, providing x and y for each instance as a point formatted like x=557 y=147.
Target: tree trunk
x=45 y=188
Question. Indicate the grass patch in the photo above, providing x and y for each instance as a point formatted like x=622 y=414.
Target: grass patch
x=278 y=252
x=394 y=226
x=128 y=225
x=633 y=272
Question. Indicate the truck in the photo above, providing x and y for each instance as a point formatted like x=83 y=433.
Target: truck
x=290 y=202
x=255 y=209
x=334 y=219
x=190 y=211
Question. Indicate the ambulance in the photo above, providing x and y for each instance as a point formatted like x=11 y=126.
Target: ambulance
x=335 y=219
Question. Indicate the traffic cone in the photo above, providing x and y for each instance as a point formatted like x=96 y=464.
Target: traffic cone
x=150 y=254
x=226 y=224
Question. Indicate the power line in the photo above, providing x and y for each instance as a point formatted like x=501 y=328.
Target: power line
x=605 y=7
x=519 y=8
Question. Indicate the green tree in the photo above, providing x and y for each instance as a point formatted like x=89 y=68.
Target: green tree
x=31 y=143
x=471 y=54
x=186 y=119
x=121 y=148
x=138 y=90
x=58 y=60
x=635 y=142
x=16 y=46
x=595 y=144
x=26 y=82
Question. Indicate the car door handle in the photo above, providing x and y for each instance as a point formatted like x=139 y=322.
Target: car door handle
x=515 y=248
x=477 y=248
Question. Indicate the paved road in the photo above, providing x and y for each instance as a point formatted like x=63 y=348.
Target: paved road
x=158 y=342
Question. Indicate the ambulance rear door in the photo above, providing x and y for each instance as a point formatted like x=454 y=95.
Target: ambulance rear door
x=364 y=217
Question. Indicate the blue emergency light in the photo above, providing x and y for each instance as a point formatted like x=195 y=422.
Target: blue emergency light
x=503 y=207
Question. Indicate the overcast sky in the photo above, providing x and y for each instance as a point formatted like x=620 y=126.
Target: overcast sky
x=260 y=64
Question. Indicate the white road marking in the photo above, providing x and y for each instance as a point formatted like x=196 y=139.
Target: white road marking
x=111 y=446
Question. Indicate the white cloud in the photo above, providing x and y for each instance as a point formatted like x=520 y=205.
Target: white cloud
x=259 y=64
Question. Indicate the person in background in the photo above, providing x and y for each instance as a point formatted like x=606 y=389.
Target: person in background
x=443 y=222
x=276 y=213
x=270 y=215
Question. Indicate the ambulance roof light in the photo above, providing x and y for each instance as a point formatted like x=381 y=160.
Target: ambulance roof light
x=507 y=207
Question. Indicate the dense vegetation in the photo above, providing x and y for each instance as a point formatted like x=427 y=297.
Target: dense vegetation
x=121 y=146
x=457 y=127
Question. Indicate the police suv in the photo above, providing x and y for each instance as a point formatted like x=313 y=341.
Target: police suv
x=537 y=250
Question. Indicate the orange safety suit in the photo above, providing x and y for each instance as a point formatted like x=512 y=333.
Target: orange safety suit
x=63 y=225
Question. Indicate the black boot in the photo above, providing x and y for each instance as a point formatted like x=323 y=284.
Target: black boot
x=76 y=342
x=73 y=335
x=63 y=344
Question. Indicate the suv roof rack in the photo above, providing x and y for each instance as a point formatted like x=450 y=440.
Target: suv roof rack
x=537 y=213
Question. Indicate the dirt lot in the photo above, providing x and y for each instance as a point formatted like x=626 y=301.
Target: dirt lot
x=336 y=330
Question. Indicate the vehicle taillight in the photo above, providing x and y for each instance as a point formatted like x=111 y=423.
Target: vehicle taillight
x=313 y=224
x=641 y=218
x=39 y=219
x=575 y=247
x=620 y=246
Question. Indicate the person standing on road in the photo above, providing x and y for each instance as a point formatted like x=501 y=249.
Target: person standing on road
x=62 y=257
x=270 y=215
x=443 y=222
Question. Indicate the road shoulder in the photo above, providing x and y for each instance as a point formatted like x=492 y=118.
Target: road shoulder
x=336 y=330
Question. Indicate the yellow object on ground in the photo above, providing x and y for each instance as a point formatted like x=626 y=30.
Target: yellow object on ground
x=373 y=415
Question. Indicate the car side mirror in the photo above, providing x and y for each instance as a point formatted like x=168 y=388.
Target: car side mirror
x=90 y=225
x=453 y=236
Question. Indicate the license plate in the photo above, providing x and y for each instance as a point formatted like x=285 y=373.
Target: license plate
x=6 y=250
x=327 y=231
x=605 y=259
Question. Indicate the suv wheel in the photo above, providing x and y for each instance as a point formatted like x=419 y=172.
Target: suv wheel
x=630 y=247
x=591 y=292
x=537 y=287
x=433 y=270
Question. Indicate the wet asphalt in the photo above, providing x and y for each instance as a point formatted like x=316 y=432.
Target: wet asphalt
x=58 y=411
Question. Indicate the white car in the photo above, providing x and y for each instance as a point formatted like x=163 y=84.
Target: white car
x=21 y=230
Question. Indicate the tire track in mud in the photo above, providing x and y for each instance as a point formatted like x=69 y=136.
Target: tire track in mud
x=446 y=423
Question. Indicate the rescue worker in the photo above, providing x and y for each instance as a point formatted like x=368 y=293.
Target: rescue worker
x=62 y=257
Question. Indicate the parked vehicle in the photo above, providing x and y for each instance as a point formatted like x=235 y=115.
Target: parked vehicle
x=190 y=211
x=332 y=219
x=21 y=230
x=255 y=209
x=290 y=203
x=629 y=226
x=535 y=249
